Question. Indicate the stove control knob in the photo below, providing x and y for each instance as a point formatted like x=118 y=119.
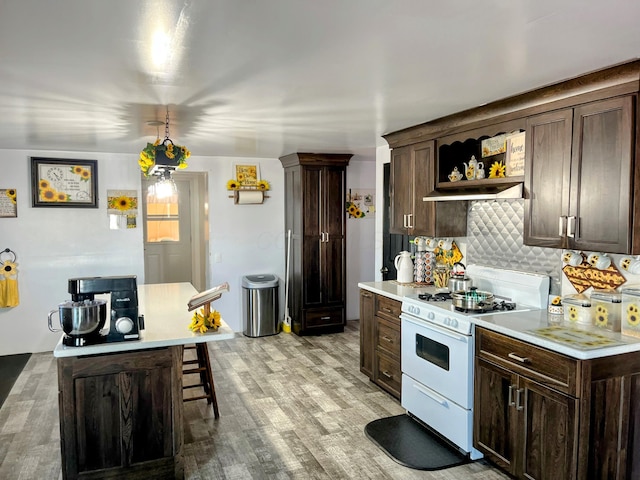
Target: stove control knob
x=415 y=310
x=124 y=325
x=447 y=321
x=454 y=323
x=431 y=316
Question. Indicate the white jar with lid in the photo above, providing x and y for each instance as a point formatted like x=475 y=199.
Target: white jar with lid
x=606 y=306
x=577 y=309
x=630 y=315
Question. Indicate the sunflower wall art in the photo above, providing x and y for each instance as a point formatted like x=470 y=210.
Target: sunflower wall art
x=64 y=183
x=360 y=203
x=8 y=202
x=122 y=208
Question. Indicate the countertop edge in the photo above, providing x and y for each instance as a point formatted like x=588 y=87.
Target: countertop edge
x=60 y=350
x=537 y=319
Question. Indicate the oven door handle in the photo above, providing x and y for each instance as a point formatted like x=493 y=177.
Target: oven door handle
x=432 y=395
x=435 y=328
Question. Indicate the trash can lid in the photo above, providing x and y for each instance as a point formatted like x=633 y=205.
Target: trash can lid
x=266 y=280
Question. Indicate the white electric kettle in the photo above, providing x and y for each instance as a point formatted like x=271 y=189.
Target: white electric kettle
x=404 y=266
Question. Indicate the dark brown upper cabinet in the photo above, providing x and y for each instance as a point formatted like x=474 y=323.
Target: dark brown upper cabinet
x=579 y=177
x=412 y=179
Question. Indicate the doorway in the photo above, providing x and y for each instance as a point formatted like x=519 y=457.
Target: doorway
x=392 y=243
x=175 y=232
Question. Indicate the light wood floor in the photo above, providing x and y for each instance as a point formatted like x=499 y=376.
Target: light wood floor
x=291 y=408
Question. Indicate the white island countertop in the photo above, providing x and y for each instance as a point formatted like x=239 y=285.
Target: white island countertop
x=522 y=325
x=166 y=321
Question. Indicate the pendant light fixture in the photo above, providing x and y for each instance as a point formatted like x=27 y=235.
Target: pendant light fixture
x=160 y=159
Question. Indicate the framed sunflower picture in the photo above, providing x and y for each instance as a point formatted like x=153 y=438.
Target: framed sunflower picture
x=247 y=175
x=64 y=183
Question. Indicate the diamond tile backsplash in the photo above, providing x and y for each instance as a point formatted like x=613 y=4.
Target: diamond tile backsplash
x=494 y=238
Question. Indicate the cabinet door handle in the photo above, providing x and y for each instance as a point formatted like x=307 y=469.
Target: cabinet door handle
x=387 y=374
x=519 y=359
x=325 y=318
x=409 y=220
x=387 y=339
x=405 y=221
x=385 y=309
x=519 y=405
x=510 y=401
x=561 y=221
x=571 y=226
x=366 y=294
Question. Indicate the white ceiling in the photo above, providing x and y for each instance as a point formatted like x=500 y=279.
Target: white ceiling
x=266 y=78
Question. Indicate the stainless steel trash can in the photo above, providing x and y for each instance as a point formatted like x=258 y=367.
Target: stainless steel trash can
x=260 y=305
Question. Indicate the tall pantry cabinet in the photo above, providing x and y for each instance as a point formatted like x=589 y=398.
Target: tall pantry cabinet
x=315 y=186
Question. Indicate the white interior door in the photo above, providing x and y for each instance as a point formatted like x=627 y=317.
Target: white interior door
x=167 y=236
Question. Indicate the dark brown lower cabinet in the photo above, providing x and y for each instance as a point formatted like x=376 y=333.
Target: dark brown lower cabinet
x=527 y=429
x=121 y=415
x=539 y=414
x=380 y=341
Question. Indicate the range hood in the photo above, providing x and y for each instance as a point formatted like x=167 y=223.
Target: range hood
x=476 y=192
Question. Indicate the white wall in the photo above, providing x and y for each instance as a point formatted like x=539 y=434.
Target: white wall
x=55 y=244
x=361 y=174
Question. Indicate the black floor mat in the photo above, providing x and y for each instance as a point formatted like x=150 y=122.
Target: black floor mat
x=412 y=445
x=10 y=368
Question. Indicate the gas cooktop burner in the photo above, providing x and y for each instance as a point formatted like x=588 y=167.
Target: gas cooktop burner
x=435 y=297
x=495 y=306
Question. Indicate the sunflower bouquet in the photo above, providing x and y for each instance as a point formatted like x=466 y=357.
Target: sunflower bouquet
x=201 y=321
x=177 y=153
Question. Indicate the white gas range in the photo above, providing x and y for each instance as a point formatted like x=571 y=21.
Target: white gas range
x=438 y=349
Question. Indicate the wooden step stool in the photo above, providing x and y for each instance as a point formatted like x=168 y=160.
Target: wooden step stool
x=203 y=368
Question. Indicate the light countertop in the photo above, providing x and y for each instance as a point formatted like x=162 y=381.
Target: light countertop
x=521 y=324
x=166 y=320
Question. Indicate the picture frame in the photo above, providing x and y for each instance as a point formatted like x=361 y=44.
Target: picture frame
x=64 y=182
x=247 y=175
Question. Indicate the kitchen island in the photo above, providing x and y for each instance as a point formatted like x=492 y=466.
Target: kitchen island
x=120 y=403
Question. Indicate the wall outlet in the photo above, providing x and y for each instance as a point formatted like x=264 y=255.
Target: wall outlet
x=217 y=258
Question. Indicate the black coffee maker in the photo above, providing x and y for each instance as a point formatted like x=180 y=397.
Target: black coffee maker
x=124 y=323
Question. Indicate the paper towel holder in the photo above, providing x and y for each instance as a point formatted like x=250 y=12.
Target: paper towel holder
x=251 y=199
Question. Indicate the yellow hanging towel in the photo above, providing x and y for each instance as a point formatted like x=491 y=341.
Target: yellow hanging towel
x=9 y=284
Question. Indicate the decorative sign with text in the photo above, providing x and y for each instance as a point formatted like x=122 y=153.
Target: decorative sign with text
x=515 y=154
x=8 y=203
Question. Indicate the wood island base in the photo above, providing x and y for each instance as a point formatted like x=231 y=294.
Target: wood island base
x=121 y=414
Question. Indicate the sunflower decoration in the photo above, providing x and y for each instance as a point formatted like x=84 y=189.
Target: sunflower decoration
x=233 y=185
x=201 y=322
x=48 y=194
x=8 y=269
x=236 y=184
x=12 y=194
x=177 y=153
x=633 y=315
x=122 y=203
x=354 y=210
x=602 y=316
x=497 y=170
x=573 y=313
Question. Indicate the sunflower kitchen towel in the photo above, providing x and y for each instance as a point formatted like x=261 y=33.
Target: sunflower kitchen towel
x=8 y=282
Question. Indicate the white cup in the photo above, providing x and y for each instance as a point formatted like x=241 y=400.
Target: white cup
x=431 y=243
x=599 y=260
x=445 y=243
x=572 y=257
x=630 y=264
